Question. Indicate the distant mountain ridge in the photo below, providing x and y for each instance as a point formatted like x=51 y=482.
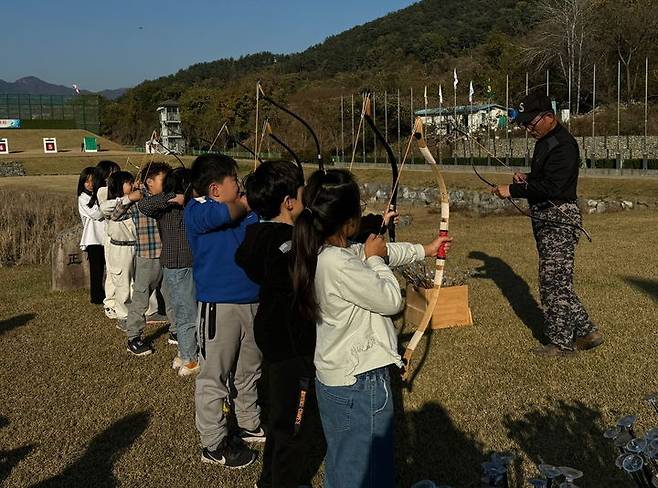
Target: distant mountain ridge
x=31 y=85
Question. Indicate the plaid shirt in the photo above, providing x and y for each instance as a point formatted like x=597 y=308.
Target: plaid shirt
x=148 y=243
x=176 y=251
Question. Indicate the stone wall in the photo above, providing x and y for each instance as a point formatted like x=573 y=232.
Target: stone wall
x=11 y=168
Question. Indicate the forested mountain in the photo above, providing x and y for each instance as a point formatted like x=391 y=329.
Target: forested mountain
x=414 y=47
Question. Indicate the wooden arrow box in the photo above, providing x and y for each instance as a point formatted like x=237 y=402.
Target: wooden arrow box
x=451 y=310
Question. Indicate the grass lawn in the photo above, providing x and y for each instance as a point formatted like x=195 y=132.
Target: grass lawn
x=21 y=140
x=77 y=411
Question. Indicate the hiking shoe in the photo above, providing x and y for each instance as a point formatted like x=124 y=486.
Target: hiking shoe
x=189 y=368
x=590 y=341
x=156 y=319
x=234 y=455
x=552 y=350
x=173 y=338
x=257 y=435
x=177 y=362
x=138 y=347
x=110 y=313
x=122 y=325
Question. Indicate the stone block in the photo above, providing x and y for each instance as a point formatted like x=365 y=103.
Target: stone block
x=69 y=264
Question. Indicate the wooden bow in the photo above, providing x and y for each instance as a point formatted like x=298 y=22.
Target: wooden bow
x=441 y=255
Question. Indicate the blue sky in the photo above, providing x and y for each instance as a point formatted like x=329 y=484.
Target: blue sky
x=98 y=44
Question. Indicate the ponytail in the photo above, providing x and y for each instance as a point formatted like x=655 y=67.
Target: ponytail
x=331 y=199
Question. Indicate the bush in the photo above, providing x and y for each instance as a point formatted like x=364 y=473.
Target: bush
x=29 y=223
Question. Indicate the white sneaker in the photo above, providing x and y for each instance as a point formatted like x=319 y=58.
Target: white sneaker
x=188 y=369
x=177 y=363
x=110 y=313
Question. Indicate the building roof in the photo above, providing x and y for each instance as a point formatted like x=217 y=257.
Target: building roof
x=461 y=109
x=169 y=103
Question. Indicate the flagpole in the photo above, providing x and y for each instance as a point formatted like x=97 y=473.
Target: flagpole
x=374 y=120
x=256 y=134
x=646 y=114
x=413 y=159
x=399 y=146
x=440 y=121
x=593 y=155
x=507 y=125
x=454 y=86
x=618 y=162
x=470 y=115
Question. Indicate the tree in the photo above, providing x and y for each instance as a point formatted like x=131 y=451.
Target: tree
x=563 y=37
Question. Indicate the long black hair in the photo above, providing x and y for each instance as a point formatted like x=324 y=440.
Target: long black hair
x=84 y=176
x=331 y=199
x=179 y=181
x=102 y=172
x=115 y=183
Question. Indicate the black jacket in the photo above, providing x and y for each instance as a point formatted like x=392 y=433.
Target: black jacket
x=266 y=256
x=554 y=171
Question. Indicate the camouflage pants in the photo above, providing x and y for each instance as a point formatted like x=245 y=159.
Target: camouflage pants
x=565 y=316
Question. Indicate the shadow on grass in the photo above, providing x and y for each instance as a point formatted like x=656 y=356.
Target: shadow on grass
x=567 y=434
x=9 y=459
x=515 y=290
x=429 y=446
x=95 y=466
x=15 y=322
x=650 y=287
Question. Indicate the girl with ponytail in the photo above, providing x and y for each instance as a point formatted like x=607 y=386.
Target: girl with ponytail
x=350 y=292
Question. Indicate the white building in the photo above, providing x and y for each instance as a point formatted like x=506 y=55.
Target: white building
x=474 y=118
x=171 y=134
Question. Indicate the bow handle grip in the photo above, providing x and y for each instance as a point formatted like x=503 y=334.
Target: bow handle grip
x=441 y=254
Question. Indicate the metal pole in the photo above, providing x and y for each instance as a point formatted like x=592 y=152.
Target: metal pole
x=507 y=129
x=527 y=142
x=593 y=111
x=385 y=116
x=618 y=161
x=374 y=119
x=454 y=152
x=364 y=132
x=645 y=163
x=342 y=130
x=411 y=92
x=352 y=117
x=548 y=82
x=399 y=146
x=569 y=121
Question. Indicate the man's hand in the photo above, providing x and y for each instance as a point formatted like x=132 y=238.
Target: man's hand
x=244 y=202
x=179 y=199
x=375 y=246
x=520 y=177
x=501 y=191
x=135 y=195
x=432 y=248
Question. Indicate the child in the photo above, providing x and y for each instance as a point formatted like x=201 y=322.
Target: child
x=216 y=223
x=274 y=192
x=176 y=261
x=120 y=248
x=93 y=235
x=350 y=293
x=148 y=272
x=102 y=172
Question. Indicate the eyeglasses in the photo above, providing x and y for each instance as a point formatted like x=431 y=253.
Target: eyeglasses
x=531 y=125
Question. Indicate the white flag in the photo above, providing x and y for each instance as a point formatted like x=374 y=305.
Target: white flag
x=77 y=89
x=454 y=83
x=440 y=94
x=470 y=92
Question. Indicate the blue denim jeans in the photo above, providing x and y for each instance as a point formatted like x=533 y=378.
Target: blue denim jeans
x=358 y=425
x=180 y=284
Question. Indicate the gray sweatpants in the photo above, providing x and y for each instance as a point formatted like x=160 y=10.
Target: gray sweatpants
x=148 y=276
x=226 y=344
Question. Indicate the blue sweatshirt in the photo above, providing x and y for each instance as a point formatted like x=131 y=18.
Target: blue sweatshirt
x=214 y=238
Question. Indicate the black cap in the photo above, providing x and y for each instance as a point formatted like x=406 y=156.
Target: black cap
x=531 y=106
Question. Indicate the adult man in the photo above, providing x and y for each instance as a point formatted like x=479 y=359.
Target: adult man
x=550 y=188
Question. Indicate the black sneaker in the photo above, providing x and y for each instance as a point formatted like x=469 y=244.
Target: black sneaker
x=173 y=338
x=257 y=435
x=234 y=455
x=138 y=347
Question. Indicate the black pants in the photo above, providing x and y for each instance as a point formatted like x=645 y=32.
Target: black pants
x=285 y=455
x=96 y=257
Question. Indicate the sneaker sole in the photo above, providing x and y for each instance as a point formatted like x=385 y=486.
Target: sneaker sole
x=254 y=440
x=173 y=343
x=212 y=461
x=145 y=353
x=187 y=372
